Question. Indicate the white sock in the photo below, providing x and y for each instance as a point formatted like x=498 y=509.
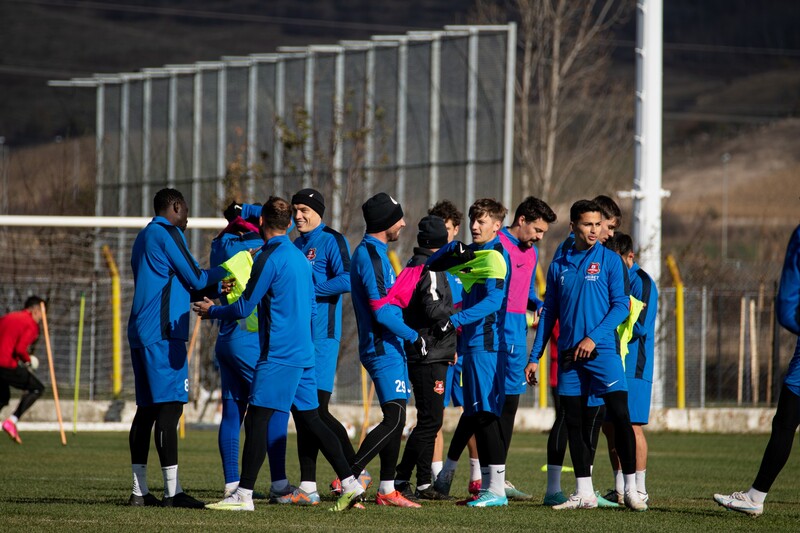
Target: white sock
x=310 y=486
x=349 y=484
x=139 y=480
x=553 y=479
x=619 y=481
x=423 y=487
x=630 y=482
x=756 y=495
x=436 y=467
x=640 y=485
x=13 y=419
x=386 y=487
x=231 y=487
x=280 y=485
x=497 y=480
x=245 y=495
x=584 y=486
x=170 y=474
x=486 y=474
x=449 y=467
x=475 y=469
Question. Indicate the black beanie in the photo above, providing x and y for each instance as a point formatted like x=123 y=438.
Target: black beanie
x=312 y=198
x=381 y=212
x=432 y=232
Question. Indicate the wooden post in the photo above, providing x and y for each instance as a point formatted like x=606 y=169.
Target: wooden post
x=740 y=378
x=753 y=353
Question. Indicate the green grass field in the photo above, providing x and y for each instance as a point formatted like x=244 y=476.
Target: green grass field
x=85 y=485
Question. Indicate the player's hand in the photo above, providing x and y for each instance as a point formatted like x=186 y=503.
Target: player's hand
x=530 y=373
x=422 y=346
x=442 y=328
x=232 y=211
x=584 y=348
x=254 y=251
x=227 y=286
x=201 y=308
x=455 y=360
x=536 y=315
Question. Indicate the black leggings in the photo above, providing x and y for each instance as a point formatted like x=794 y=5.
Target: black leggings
x=489 y=439
x=557 y=440
x=784 y=425
x=165 y=416
x=23 y=379
x=308 y=446
x=507 y=418
x=383 y=440
x=583 y=430
x=624 y=438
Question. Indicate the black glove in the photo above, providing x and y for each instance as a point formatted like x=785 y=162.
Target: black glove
x=459 y=255
x=232 y=211
x=422 y=346
x=442 y=328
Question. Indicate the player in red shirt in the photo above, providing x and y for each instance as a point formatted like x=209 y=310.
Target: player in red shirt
x=18 y=331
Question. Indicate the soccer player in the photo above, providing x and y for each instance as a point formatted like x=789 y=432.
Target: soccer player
x=237 y=350
x=787 y=415
x=431 y=302
x=164 y=273
x=638 y=368
x=281 y=286
x=586 y=293
x=381 y=334
x=328 y=253
x=480 y=346
x=18 y=331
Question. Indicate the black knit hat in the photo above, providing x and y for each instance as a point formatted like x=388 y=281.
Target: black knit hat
x=312 y=198
x=432 y=232
x=381 y=212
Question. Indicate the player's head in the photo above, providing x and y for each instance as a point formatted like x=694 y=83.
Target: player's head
x=432 y=233
x=623 y=245
x=276 y=217
x=309 y=206
x=585 y=221
x=33 y=304
x=612 y=216
x=485 y=219
x=447 y=211
x=170 y=204
x=384 y=217
x=532 y=219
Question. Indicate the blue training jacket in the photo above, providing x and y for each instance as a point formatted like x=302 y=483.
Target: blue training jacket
x=639 y=361
x=588 y=293
x=281 y=286
x=164 y=272
x=329 y=255
x=371 y=277
x=787 y=305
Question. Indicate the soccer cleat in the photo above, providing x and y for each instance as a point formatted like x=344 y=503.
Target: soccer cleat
x=602 y=502
x=470 y=498
x=644 y=496
x=146 y=500
x=395 y=499
x=232 y=503
x=275 y=495
x=364 y=478
x=634 y=502
x=336 y=487
x=486 y=498
x=741 y=502
x=443 y=482
x=576 y=501
x=182 y=500
x=557 y=498
x=300 y=497
x=11 y=428
x=348 y=500
x=404 y=488
x=474 y=486
x=614 y=497
x=431 y=494
x=513 y=493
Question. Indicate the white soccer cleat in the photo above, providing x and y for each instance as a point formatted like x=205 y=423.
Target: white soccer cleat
x=577 y=501
x=633 y=501
x=739 y=501
x=232 y=503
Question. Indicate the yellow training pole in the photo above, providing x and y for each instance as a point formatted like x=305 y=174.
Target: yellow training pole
x=192 y=343
x=680 y=362
x=544 y=381
x=116 y=321
x=52 y=372
x=78 y=366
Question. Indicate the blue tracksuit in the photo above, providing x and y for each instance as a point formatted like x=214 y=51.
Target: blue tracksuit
x=787 y=306
x=639 y=361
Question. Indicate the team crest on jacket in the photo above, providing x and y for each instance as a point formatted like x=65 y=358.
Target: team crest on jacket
x=438 y=386
x=311 y=254
x=594 y=268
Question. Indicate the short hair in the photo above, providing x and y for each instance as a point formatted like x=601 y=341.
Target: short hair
x=165 y=198
x=33 y=301
x=447 y=210
x=487 y=206
x=276 y=213
x=608 y=207
x=533 y=208
x=620 y=243
x=583 y=206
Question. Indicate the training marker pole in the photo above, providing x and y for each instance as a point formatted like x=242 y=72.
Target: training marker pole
x=52 y=373
x=78 y=366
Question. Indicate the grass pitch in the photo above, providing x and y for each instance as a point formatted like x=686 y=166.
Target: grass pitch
x=85 y=485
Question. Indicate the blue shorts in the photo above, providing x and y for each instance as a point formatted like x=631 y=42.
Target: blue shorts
x=453 y=385
x=389 y=373
x=237 y=360
x=160 y=372
x=515 y=372
x=792 y=379
x=484 y=382
x=598 y=376
x=326 y=352
x=639 y=393
x=281 y=387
